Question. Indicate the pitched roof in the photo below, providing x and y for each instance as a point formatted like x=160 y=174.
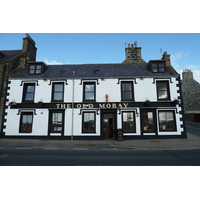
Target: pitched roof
x=89 y=71
x=6 y=55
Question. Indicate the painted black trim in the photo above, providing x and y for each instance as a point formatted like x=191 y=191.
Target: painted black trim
x=125 y=79
x=57 y=81
x=27 y=110
x=126 y=137
x=164 y=79
x=4 y=113
x=184 y=134
x=89 y=80
x=87 y=110
x=30 y=82
x=53 y=105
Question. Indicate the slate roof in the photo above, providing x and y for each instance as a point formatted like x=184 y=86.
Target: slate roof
x=89 y=71
x=6 y=55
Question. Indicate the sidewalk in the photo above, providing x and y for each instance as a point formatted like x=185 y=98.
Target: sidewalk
x=192 y=142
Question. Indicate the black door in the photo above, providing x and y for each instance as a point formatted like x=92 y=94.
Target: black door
x=56 y=122
x=148 y=122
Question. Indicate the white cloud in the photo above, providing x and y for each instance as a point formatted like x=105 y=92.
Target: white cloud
x=196 y=75
x=176 y=61
x=178 y=55
x=53 y=62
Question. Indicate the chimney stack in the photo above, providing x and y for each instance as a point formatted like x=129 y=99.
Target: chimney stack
x=166 y=57
x=29 y=47
x=133 y=54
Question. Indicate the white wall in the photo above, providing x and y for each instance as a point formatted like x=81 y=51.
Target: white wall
x=144 y=89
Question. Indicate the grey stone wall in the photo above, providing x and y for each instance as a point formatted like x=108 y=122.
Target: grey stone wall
x=190 y=92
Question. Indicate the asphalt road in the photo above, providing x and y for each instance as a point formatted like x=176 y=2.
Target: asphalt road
x=95 y=156
x=49 y=155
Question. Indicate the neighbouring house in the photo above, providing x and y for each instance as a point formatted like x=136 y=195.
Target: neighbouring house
x=191 y=96
x=129 y=100
x=13 y=60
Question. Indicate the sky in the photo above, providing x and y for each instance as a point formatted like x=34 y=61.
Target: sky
x=92 y=48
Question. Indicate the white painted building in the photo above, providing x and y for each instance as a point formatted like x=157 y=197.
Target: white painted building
x=95 y=101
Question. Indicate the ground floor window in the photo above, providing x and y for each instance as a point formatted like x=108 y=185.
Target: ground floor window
x=128 y=122
x=167 y=121
x=88 y=122
x=26 y=122
x=148 y=122
x=56 y=122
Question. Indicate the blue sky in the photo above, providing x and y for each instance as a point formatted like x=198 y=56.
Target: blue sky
x=86 y=48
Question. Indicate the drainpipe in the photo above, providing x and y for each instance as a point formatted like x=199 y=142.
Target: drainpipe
x=72 y=131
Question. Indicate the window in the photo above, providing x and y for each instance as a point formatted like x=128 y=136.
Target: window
x=148 y=123
x=56 y=122
x=89 y=92
x=88 y=122
x=29 y=92
x=35 y=69
x=128 y=122
x=58 y=91
x=167 y=121
x=26 y=122
x=158 y=67
x=163 y=90
x=127 y=91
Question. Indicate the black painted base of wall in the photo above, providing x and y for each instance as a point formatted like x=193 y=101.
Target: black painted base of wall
x=96 y=137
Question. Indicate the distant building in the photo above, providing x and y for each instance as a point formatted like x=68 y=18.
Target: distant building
x=95 y=101
x=13 y=60
x=191 y=96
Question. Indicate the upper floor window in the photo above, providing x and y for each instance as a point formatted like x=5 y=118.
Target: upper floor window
x=57 y=92
x=29 y=92
x=157 y=67
x=126 y=91
x=35 y=69
x=163 y=90
x=89 y=91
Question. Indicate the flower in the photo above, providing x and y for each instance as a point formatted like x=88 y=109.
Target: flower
x=12 y=103
x=147 y=102
x=176 y=101
x=40 y=103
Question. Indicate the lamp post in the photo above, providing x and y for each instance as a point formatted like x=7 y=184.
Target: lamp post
x=72 y=130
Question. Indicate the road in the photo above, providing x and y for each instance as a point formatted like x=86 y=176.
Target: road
x=96 y=156
x=42 y=155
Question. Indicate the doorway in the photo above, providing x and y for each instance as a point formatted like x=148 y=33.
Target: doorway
x=108 y=125
x=148 y=123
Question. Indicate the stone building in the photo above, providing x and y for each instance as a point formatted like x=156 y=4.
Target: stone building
x=191 y=96
x=136 y=99
x=12 y=61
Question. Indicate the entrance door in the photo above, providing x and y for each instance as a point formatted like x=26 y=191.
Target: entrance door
x=108 y=126
x=56 y=123
x=148 y=124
